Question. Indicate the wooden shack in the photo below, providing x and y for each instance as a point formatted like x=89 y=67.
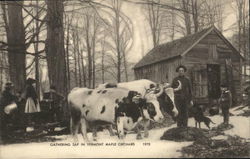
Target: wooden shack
x=210 y=58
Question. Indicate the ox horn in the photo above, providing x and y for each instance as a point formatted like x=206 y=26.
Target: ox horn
x=179 y=86
x=161 y=91
x=146 y=92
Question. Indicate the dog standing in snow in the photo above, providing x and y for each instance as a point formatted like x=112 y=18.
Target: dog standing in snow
x=199 y=116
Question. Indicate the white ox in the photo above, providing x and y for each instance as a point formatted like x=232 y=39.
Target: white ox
x=142 y=86
x=112 y=106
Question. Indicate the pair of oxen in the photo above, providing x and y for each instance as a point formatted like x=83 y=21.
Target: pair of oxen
x=126 y=106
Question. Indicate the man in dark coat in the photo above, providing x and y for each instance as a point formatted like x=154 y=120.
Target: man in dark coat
x=6 y=99
x=225 y=102
x=183 y=95
x=55 y=100
x=7 y=95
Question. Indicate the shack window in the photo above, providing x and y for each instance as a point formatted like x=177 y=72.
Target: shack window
x=199 y=83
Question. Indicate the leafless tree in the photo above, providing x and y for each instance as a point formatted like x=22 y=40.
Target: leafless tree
x=87 y=29
x=154 y=19
x=68 y=21
x=243 y=29
x=29 y=31
x=103 y=51
x=15 y=35
x=120 y=38
x=75 y=53
x=189 y=16
x=55 y=45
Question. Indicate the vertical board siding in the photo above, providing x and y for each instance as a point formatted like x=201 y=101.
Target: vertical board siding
x=157 y=72
x=210 y=50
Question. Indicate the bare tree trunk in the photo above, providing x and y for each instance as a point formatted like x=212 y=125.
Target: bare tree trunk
x=83 y=71
x=96 y=27
x=55 y=45
x=16 y=44
x=93 y=69
x=239 y=5
x=75 y=58
x=93 y=84
x=102 y=61
x=87 y=29
x=219 y=12
x=78 y=58
x=195 y=15
x=154 y=21
x=4 y=68
x=36 y=54
x=244 y=43
x=124 y=48
x=125 y=66
x=67 y=55
x=117 y=31
x=173 y=19
x=1 y=70
x=185 y=5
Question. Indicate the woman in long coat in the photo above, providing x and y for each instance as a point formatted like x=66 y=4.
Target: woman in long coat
x=32 y=105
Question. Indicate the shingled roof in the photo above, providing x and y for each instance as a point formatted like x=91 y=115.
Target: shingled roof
x=175 y=48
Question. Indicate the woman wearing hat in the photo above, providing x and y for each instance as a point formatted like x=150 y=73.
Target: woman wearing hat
x=183 y=95
x=32 y=104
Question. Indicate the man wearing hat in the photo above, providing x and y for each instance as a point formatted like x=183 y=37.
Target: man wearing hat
x=182 y=95
x=225 y=102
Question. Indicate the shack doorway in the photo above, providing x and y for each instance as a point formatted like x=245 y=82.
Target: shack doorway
x=213 y=78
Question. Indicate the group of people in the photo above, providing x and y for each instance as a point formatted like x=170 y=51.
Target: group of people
x=28 y=101
x=184 y=97
x=22 y=104
x=21 y=108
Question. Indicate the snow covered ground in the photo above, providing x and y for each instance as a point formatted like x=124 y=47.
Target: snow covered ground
x=128 y=147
